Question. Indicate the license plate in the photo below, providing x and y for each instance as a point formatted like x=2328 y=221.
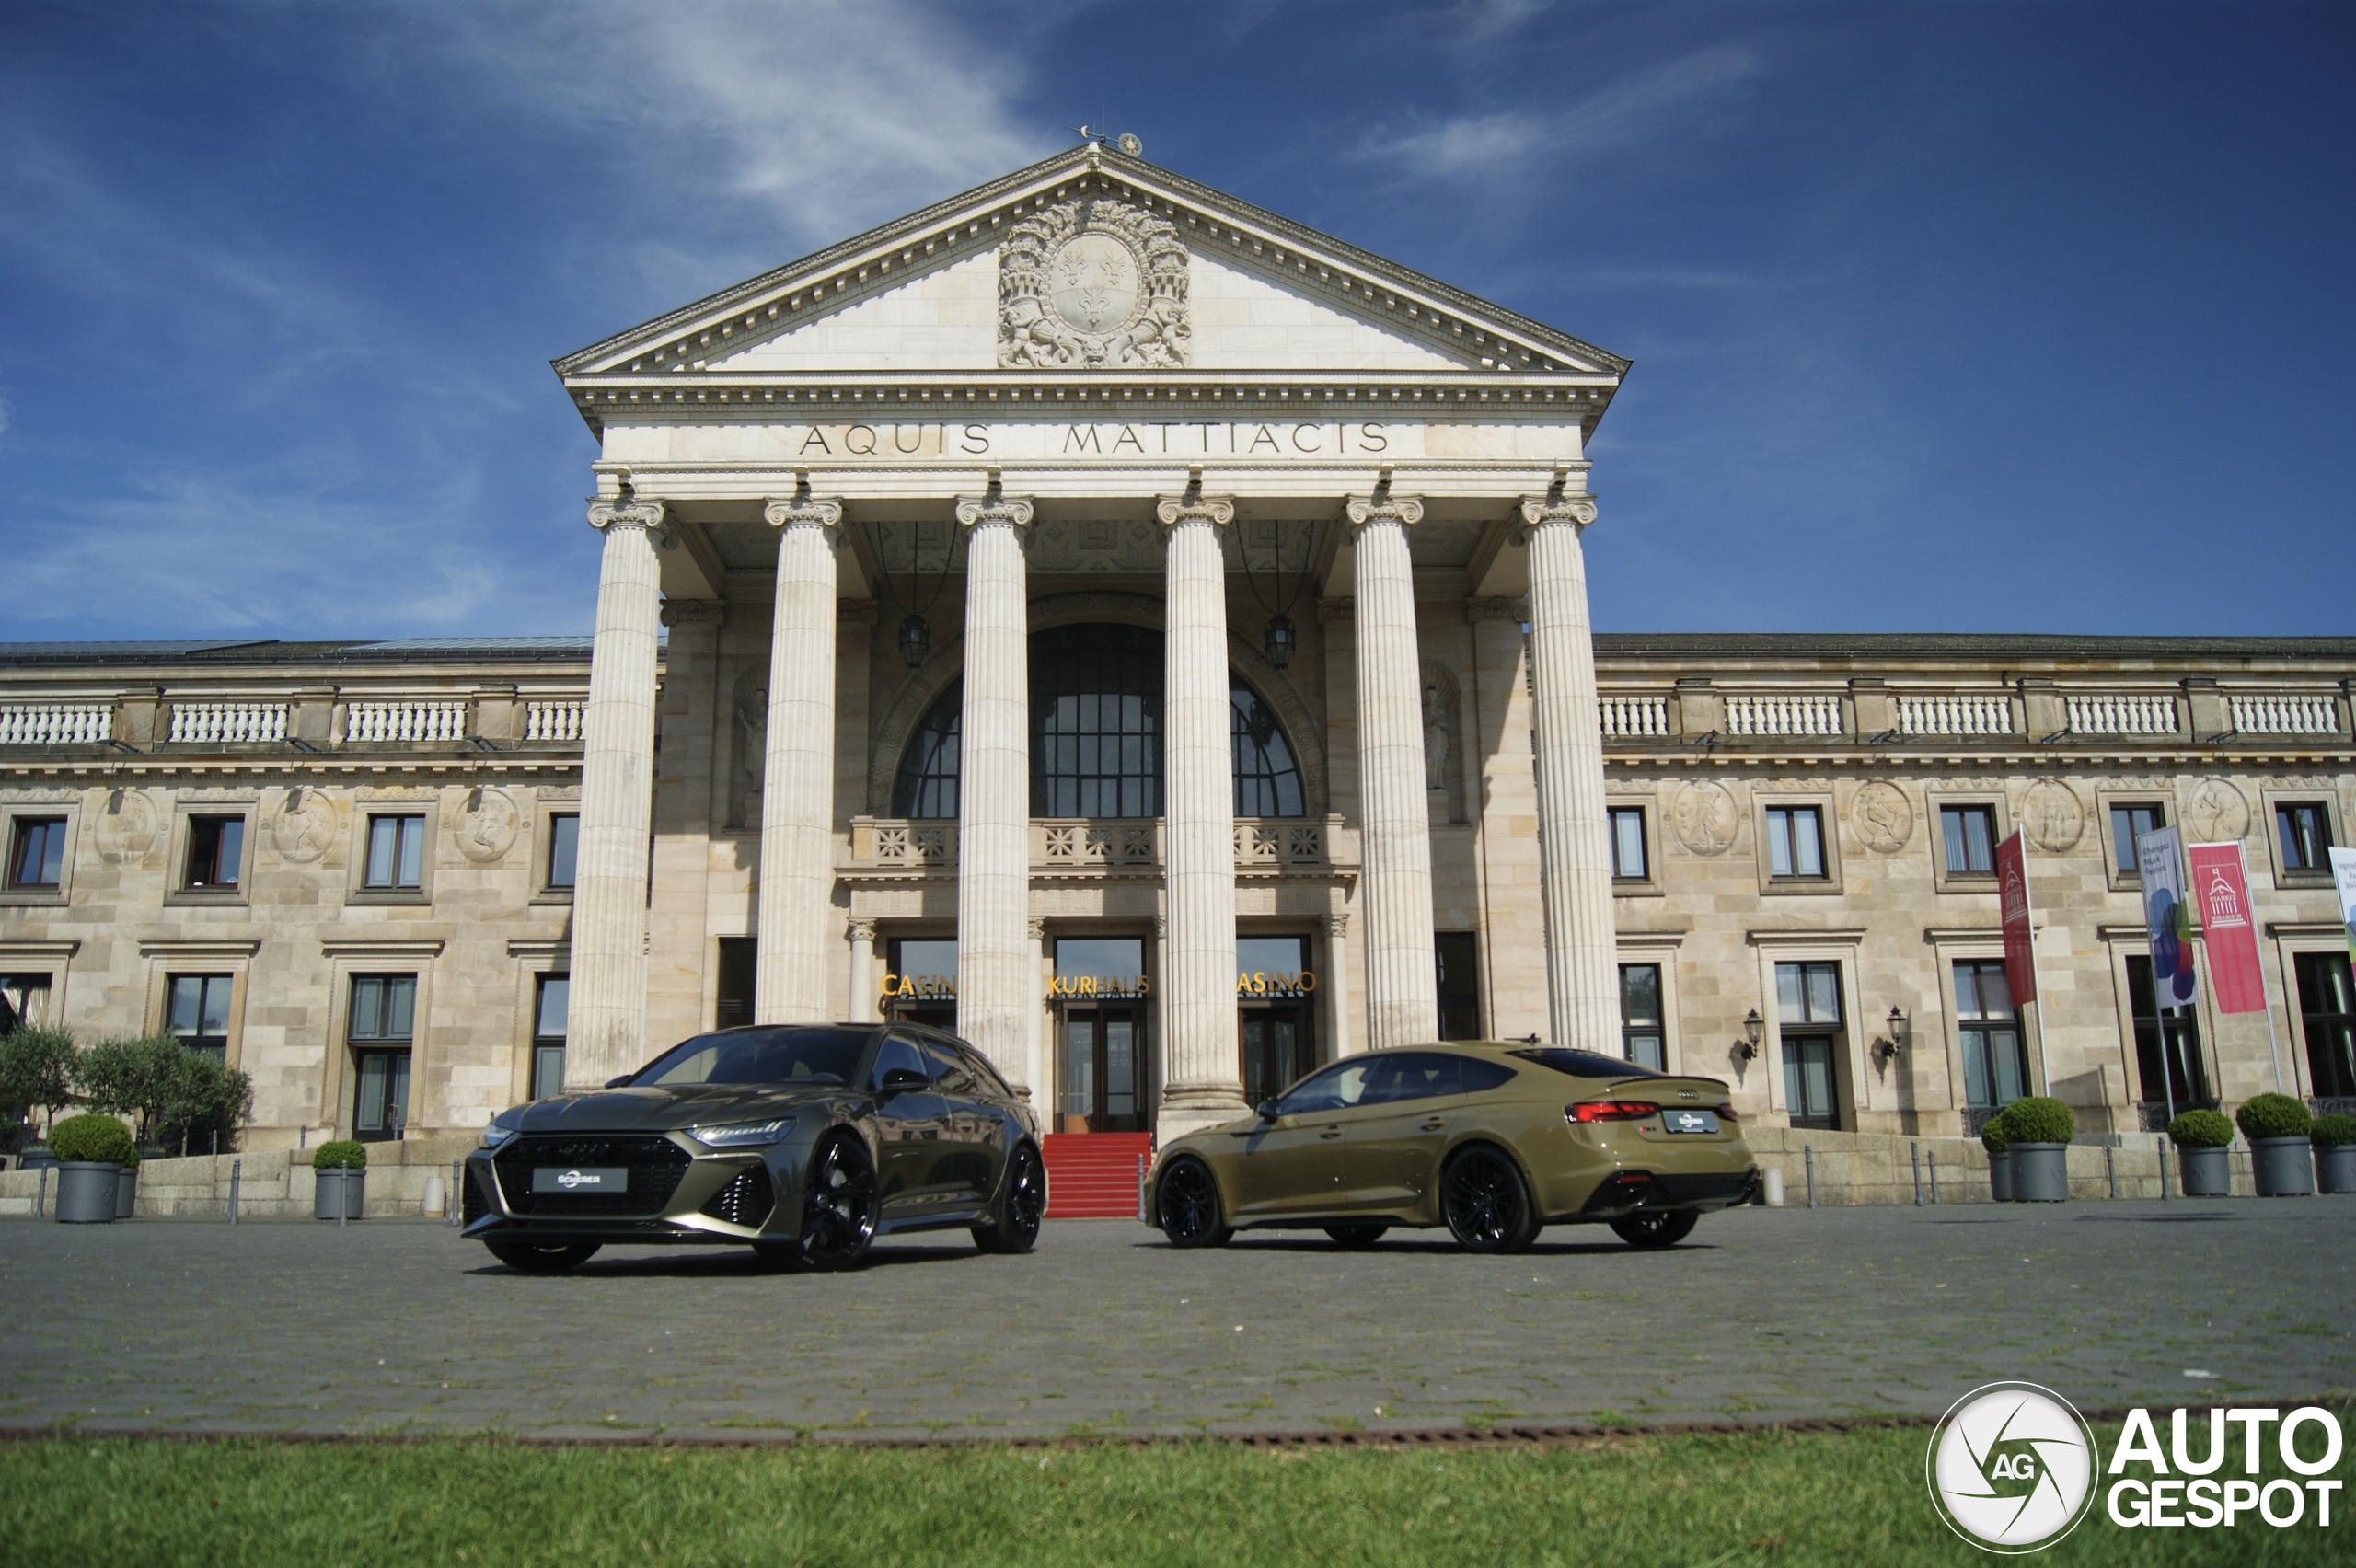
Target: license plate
x=1688 y=1121
x=581 y=1179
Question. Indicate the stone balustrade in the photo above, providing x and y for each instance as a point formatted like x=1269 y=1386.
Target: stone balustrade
x=406 y=718
x=228 y=723
x=553 y=723
x=1784 y=714
x=1967 y=713
x=56 y=723
x=1262 y=843
x=1632 y=718
x=2297 y=713
x=2128 y=713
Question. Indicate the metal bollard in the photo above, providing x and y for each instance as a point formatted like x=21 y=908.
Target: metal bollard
x=2163 y=1174
x=237 y=1175
x=2110 y=1170
x=457 y=1207
x=1915 y=1153
x=40 y=1198
x=1143 y=1218
x=1935 y=1176
x=1808 y=1158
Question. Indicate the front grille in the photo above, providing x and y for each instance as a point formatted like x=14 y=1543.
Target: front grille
x=746 y=1201
x=474 y=1205
x=655 y=1163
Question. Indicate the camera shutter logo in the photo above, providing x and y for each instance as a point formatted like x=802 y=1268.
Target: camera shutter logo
x=2011 y=1468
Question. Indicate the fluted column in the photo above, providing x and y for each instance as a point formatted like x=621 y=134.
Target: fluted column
x=1402 y=973
x=798 y=777
x=1573 y=861
x=606 y=1020
x=862 y=970
x=1034 y=1039
x=1204 y=1083
x=994 y=992
x=1335 y=983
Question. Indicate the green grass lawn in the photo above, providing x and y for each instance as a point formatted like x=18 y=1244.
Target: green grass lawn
x=1847 y=1498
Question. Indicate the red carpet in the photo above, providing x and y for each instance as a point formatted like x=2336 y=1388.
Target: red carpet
x=1094 y=1175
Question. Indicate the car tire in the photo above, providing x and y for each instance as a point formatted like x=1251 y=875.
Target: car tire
x=1186 y=1204
x=1660 y=1228
x=1486 y=1203
x=841 y=1205
x=1362 y=1235
x=531 y=1257
x=1021 y=1206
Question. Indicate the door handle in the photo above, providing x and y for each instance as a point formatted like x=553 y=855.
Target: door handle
x=1329 y=1134
x=1434 y=1125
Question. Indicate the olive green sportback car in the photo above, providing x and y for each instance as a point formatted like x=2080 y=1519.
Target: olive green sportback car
x=1492 y=1140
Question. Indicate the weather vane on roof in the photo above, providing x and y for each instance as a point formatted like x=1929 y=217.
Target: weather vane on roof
x=1126 y=140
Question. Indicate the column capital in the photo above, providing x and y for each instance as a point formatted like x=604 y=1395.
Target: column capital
x=861 y=930
x=1545 y=511
x=695 y=612
x=1382 y=506
x=1036 y=929
x=981 y=511
x=625 y=511
x=806 y=512
x=1337 y=925
x=1174 y=510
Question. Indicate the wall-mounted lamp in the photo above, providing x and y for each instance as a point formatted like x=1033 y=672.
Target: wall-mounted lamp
x=1752 y=1027
x=1899 y=1029
x=1885 y=1051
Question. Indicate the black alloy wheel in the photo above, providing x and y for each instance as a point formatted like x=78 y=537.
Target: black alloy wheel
x=531 y=1257
x=1188 y=1202
x=1660 y=1228
x=1356 y=1234
x=1486 y=1203
x=1020 y=1207
x=840 y=1206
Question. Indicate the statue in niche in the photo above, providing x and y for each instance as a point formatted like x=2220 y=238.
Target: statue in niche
x=1441 y=773
x=749 y=724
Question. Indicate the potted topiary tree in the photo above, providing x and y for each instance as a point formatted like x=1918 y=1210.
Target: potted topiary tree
x=2200 y=1139
x=126 y=1184
x=340 y=1172
x=2335 y=1141
x=2281 y=1162
x=2037 y=1131
x=89 y=1150
x=2000 y=1158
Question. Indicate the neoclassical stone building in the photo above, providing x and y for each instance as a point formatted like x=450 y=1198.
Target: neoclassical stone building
x=1151 y=637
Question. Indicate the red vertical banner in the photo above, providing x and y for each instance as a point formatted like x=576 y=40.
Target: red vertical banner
x=2220 y=894
x=2012 y=894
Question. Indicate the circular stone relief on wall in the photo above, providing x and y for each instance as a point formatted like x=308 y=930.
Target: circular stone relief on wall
x=1883 y=815
x=2217 y=812
x=487 y=827
x=2052 y=815
x=1706 y=817
x=127 y=826
x=304 y=827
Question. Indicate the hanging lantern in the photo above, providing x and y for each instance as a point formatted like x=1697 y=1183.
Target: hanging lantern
x=1279 y=641
x=915 y=640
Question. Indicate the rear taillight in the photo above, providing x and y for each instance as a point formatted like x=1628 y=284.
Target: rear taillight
x=1610 y=1111
x=1726 y=1111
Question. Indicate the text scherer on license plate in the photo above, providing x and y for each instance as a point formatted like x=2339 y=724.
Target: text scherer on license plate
x=1690 y=1121
x=580 y=1178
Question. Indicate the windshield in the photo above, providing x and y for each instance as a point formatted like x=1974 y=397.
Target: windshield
x=789 y=1057
x=1586 y=1063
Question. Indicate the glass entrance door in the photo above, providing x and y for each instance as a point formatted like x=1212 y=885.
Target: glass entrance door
x=1276 y=1051
x=1104 y=1070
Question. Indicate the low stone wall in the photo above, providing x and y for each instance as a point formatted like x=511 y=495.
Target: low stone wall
x=1875 y=1168
x=271 y=1183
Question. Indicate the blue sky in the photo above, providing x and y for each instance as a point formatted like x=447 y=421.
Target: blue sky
x=1944 y=317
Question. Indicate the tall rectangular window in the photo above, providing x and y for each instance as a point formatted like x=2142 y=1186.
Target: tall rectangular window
x=37 y=858
x=739 y=960
x=1795 y=842
x=547 y=1035
x=196 y=1012
x=1967 y=835
x=1808 y=1002
x=395 y=851
x=1995 y=1070
x=24 y=1002
x=2306 y=827
x=216 y=849
x=2128 y=823
x=1459 y=957
x=1628 y=862
x=2173 y=1038
x=564 y=843
x=1642 y=1039
x=2327 y=1019
x=380 y=1031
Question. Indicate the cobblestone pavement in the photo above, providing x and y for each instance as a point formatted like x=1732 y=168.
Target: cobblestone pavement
x=1763 y=1315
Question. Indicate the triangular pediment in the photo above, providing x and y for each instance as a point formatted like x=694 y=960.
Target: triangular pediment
x=1006 y=278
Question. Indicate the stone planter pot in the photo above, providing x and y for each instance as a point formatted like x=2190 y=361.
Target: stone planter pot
x=338 y=1195
x=2000 y=1174
x=126 y=1190
x=2335 y=1168
x=2283 y=1168
x=2040 y=1173
x=2208 y=1172
x=86 y=1192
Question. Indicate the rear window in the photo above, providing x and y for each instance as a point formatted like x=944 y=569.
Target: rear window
x=1586 y=1063
x=818 y=1058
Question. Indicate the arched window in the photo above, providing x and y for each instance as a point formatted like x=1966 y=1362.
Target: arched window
x=1096 y=722
x=1096 y=735
x=1267 y=781
x=926 y=785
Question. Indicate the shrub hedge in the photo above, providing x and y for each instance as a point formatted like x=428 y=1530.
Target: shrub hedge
x=93 y=1139
x=2035 y=1119
x=2274 y=1116
x=341 y=1155
x=2200 y=1129
x=2333 y=1132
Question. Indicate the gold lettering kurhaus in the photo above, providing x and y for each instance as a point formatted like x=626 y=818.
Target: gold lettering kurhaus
x=1144 y=440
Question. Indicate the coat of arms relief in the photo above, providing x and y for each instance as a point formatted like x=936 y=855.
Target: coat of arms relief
x=1090 y=286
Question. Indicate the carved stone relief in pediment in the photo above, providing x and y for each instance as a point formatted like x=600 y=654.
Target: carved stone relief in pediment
x=1093 y=284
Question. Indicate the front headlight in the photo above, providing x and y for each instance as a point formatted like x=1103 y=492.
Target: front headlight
x=743 y=1135
x=498 y=1131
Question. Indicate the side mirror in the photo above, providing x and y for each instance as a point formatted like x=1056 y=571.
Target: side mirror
x=903 y=1080
x=1267 y=1110
x=619 y=1082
